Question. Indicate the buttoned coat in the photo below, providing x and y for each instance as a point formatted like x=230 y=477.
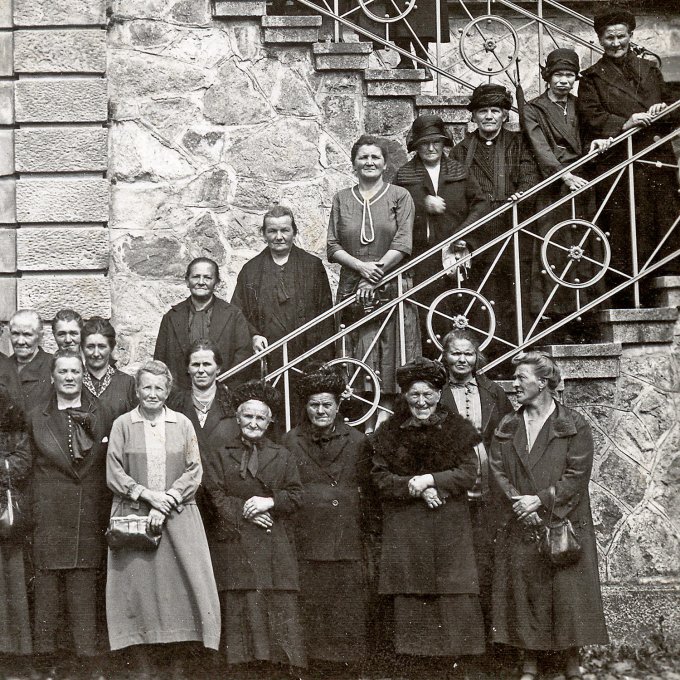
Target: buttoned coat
x=70 y=502
x=246 y=556
x=33 y=385
x=536 y=606
x=228 y=330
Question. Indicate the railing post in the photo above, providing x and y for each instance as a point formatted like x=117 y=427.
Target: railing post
x=438 y=49
x=336 y=24
x=539 y=12
x=402 y=321
x=518 y=279
x=286 y=386
x=633 y=223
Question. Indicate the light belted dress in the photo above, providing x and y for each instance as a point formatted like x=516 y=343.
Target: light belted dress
x=166 y=595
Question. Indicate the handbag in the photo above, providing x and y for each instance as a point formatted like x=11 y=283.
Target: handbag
x=131 y=532
x=358 y=310
x=558 y=542
x=11 y=516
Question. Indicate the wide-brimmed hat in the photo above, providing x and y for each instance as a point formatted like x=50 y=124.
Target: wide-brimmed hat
x=612 y=16
x=324 y=379
x=561 y=59
x=255 y=390
x=424 y=369
x=490 y=94
x=427 y=128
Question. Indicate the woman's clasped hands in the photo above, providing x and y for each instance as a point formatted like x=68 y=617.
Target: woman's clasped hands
x=525 y=508
x=256 y=510
x=423 y=486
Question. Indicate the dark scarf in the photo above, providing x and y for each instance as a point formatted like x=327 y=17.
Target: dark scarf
x=249 y=458
x=81 y=432
x=199 y=321
x=95 y=386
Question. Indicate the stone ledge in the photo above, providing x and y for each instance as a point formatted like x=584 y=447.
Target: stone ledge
x=667 y=290
x=8 y=298
x=600 y=360
x=77 y=50
x=8 y=210
x=6 y=152
x=6 y=102
x=62 y=248
x=6 y=52
x=62 y=200
x=61 y=149
x=61 y=100
x=89 y=294
x=239 y=8
x=291 y=30
x=394 y=82
x=5 y=14
x=451 y=109
x=8 y=251
x=61 y=13
x=330 y=56
x=638 y=326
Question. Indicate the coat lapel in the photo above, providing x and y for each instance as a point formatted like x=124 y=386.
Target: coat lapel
x=49 y=426
x=179 y=318
x=615 y=79
x=218 y=320
x=488 y=403
x=557 y=120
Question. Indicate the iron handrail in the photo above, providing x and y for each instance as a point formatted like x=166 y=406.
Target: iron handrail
x=497 y=212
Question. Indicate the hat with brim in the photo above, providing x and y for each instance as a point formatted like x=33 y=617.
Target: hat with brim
x=612 y=17
x=427 y=128
x=561 y=60
x=490 y=95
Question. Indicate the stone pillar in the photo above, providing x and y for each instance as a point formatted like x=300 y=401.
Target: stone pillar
x=59 y=157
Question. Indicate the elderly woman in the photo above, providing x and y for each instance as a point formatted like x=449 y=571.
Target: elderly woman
x=255 y=488
x=154 y=470
x=15 y=466
x=70 y=512
x=483 y=403
x=423 y=467
x=113 y=389
x=541 y=458
x=369 y=233
x=334 y=461
x=621 y=92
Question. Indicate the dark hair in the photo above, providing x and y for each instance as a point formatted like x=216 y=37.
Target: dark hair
x=208 y=346
x=370 y=140
x=203 y=260
x=98 y=326
x=65 y=354
x=279 y=211
x=67 y=315
x=465 y=334
x=543 y=365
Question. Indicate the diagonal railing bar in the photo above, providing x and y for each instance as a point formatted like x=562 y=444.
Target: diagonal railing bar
x=663 y=240
x=497 y=212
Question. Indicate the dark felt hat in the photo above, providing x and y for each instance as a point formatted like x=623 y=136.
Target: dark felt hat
x=427 y=128
x=423 y=369
x=255 y=390
x=560 y=60
x=490 y=94
x=612 y=16
x=323 y=380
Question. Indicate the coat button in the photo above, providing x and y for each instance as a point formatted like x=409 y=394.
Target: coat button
x=335 y=503
x=334 y=483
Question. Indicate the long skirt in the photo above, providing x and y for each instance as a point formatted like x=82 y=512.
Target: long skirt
x=438 y=625
x=262 y=625
x=15 y=629
x=166 y=595
x=334 y=601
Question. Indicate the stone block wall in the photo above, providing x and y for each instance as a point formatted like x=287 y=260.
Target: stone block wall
x=53 y=157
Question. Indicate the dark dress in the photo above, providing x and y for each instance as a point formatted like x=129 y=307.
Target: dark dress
x=330 y=529
x=556 y=140
x=610 y=91
x=427 y=564
x=15 y=629
x=115 y=392
x=256 y=569
x=33 y=383
x=536 y=606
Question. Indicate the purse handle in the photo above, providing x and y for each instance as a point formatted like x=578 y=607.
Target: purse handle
x=551 y=491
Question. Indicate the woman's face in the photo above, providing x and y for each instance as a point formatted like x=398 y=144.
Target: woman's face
x=562 y=82
x=253 y=417
x=460 y=358
x=527 y=385
x=152 y=392
x=97 y=351
x=67 y=376
x=322 y=409
x=67 y=334
x=430 y=151
x=279 y=234
x=615 y=40
x=422 y=399
x=369 y=162
x=203 y=369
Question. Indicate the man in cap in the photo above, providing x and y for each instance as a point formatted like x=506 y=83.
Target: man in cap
x=502 y=162
x=447 y=198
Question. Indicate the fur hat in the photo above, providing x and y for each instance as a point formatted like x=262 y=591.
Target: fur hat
x=560 y=60
x=612 y=16
x=322 y=380
x=255 y=390
x=490 y=94
x=423 y=369
x=427 y=128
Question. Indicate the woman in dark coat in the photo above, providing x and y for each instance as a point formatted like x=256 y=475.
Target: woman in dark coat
x=541 y=458
x=70 y=511
x=334 y=461
x=620 y=92
x=423 y=466
x=255 y=487
x=15 y=629
x=113 y=389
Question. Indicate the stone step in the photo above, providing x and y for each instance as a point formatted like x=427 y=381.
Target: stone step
x=344 y=56
x=638 y=326
x=239 y=8
x=597 y=360
x=451 y=108
x=667 y=290
x=291 y=30
x=396 y=82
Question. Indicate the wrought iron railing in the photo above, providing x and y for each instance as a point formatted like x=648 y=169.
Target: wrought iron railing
x=455 y=307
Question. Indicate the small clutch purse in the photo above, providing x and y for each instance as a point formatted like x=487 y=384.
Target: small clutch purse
x=558 y=542
x=131 y=532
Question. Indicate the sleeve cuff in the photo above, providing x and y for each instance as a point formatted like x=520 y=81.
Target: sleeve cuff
x=176 y=495
x=136 y=492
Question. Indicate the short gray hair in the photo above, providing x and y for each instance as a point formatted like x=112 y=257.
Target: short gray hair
x=154 y=367
x=27 y=314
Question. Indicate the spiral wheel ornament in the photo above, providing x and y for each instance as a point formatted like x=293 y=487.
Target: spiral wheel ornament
x=357 y=374
x=387 y=17
x=490 y=48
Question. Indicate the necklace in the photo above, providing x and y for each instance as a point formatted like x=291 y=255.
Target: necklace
x=558 y=103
